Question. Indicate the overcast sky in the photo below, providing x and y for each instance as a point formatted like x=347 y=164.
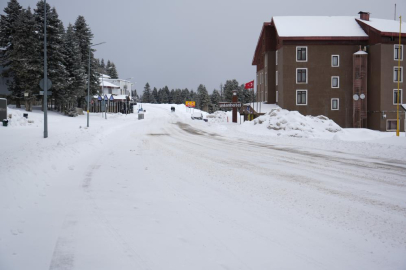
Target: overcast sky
x=184 y=43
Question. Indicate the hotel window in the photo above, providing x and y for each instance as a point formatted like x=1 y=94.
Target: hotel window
x=335 y=60
x=276 y=58
x=276 y=77
x=398 y=52
x=301 y=54
x=395 y=96
x=301 y=75
x=397 y=76
x=335 y=104
x=335 y=82
x=391 y=125
x=301 y=97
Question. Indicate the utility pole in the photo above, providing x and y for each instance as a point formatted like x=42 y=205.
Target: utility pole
x=45 y=73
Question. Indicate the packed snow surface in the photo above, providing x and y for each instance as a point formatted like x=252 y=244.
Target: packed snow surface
x=169 y=192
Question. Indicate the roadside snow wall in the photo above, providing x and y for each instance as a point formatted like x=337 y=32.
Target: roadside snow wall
x=293 y=124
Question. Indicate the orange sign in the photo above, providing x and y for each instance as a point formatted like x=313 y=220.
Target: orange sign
x=190 y=104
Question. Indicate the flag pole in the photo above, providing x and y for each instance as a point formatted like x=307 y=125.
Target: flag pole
x=399 y=55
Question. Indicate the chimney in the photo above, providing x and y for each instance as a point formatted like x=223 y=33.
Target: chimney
x=364 y=15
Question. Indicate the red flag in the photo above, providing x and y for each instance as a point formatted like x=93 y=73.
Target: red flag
x=249 y=85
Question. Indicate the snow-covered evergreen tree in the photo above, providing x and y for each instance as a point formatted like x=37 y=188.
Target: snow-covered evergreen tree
x=177 y=99
x=164 y=96
x=7 y=32
x=203 y=99
x=229 y=86
x=112 y=71
x=192 y=95
x=154 y=96
x=146 y=95
x=171 y=96
x=135 y=95
x=185 y=95
x=102 y=67
x=55 y=50
x=215 y=99
x=76 y=73
x=84 y=36
x=26 y=64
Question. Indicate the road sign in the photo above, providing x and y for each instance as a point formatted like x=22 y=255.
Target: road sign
x=111 y=97
x=49 y=84
x=99 y=98
x=105 y=97
x=48 y=93
x=224 y=105
x=190 y=104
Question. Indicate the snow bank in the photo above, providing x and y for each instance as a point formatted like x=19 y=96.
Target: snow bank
x=217 y=117
x=293 y=124
x=17 y=118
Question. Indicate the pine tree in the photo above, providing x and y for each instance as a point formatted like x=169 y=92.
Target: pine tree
x=155 y=96
x=146 y=95
x=7 y=32
x=113 y=71
x=102 y=67
x=55 y=50
x=108 y=67
x=178 y=97
x=192 y=96
x=135 y=95
x=76 y=73
x=26 y=64
x=203 y=99
x=229 y=86
x=165 y=95
x=84 y=36
x=171 y=97
x=185 y=95
x=215 y=99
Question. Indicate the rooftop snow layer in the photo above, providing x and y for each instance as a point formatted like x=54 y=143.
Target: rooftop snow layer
x=318 y=26
x=108 y=84
x=385 y=25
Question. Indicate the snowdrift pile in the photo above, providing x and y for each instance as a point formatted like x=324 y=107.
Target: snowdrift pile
x=217 y=117
x=293 y=124
x=17 y=118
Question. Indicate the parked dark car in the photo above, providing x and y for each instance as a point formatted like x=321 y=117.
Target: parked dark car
x=172 y=109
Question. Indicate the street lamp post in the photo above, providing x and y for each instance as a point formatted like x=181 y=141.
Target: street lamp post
x=88 y=83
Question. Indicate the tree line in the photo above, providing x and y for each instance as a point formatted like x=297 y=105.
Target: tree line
x=22 y=56
x=203 y=100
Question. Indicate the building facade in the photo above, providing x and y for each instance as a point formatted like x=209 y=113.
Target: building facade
x=342 y=67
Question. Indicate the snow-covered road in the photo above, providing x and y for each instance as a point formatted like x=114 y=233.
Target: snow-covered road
x=171 y=193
